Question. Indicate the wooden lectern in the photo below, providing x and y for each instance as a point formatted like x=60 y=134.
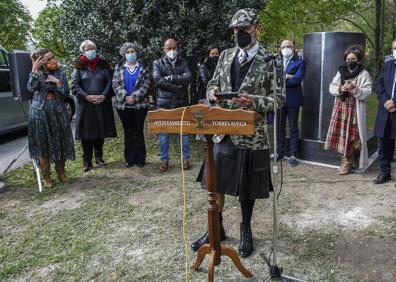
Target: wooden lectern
x=200 y=119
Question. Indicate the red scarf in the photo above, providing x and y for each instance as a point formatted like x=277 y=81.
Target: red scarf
x=91 y=63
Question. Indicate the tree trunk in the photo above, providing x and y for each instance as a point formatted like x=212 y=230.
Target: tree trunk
x=394 y=21
x=379 y=35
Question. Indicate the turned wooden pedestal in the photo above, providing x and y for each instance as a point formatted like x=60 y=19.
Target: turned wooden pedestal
x=199 y=119
x=214 y=249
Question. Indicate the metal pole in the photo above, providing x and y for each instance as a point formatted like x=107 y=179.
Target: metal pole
x=274 y=270
x=275 y=173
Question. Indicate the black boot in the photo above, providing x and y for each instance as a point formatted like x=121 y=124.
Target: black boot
x=246 y=243
x=205 y=239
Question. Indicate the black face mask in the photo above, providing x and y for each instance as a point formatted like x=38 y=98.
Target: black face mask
x=243 y=39
x=213 y=60
x=352 y=65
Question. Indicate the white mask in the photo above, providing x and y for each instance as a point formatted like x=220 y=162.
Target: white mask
x=287 y=52
x=394 y=54
x=171 y=54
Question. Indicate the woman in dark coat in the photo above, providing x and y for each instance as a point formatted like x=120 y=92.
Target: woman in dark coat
x=49 y=134
x=206 y=70
x=131 y=81
x=91 y=84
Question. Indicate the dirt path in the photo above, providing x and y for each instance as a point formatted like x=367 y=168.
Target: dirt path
x=118 y=224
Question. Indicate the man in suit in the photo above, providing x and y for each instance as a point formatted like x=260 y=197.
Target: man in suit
x=243 y=162
x=385 y=125
x=294 y=71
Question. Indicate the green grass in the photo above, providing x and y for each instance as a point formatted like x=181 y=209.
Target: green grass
x=129 y=226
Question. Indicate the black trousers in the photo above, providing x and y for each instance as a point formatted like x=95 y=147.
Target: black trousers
x=291 y=113
x=386 y=149
x=134 y=144
x=90 y=146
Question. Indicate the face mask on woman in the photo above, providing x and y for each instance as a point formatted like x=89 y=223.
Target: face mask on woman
x=131 y=57
x=90 y=54
x=352 y=65
x=213 y=60
x=52 y=65
x=171 y=54
x=394 y=54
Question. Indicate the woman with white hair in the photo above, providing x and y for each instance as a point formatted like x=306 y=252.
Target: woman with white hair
x=131 y=81
x=91 y=84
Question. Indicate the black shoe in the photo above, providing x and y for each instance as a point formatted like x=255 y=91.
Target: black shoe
x=246 y=243
x=128 y=165
x=140 y=165
x=100 y=162
x=293 y=161
x=382 y=178
x=87 y=166
x=205 y=239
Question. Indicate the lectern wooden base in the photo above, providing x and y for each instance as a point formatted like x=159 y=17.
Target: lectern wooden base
x=200 y=119
x=214 y=259
x=214 y=249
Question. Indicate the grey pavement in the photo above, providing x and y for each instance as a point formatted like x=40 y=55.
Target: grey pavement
x=10 y=150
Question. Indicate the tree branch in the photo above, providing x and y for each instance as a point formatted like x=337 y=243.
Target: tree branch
x=360 y=28
x=364 y=19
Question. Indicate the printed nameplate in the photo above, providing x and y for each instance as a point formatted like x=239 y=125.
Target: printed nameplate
x=200 y=119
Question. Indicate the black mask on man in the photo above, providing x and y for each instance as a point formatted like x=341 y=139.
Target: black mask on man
x=352 y=65
x=243 y=39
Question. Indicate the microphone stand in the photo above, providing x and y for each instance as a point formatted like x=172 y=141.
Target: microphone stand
x=274 y=270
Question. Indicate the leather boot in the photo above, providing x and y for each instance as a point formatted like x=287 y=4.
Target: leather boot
x=60 y=170
x=246 y=241
x=342 y=164
x=46 y=172
x=164 y=165
x=186 y=164
x=205 y=239
x=346 y=168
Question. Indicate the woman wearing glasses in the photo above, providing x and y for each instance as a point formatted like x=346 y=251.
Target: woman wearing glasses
x=347 y=132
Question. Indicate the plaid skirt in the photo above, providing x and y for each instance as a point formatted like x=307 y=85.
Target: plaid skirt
x=343 y=131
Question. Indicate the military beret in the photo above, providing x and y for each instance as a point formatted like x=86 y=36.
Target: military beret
x=244 y=17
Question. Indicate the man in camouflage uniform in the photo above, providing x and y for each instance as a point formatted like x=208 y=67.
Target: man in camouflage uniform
x=243 y=162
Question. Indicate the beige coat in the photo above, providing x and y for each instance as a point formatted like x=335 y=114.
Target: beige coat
x=363 y=83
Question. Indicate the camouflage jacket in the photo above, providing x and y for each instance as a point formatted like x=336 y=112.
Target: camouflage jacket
x=258 y=83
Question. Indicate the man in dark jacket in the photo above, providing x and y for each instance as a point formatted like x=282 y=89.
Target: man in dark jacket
x=171 y=76
x=385 y=125
x=294 y=70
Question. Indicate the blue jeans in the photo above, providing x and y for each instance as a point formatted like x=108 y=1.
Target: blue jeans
x=164 y=146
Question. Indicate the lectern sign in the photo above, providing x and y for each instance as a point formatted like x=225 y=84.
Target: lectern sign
x=200 y=119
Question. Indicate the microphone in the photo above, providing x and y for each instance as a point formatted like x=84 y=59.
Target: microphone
x=271 y=57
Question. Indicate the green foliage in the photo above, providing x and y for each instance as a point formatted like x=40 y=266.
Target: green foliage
x=292 y=19
x=15 y=24
x=195 y=23
x=47 y=31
